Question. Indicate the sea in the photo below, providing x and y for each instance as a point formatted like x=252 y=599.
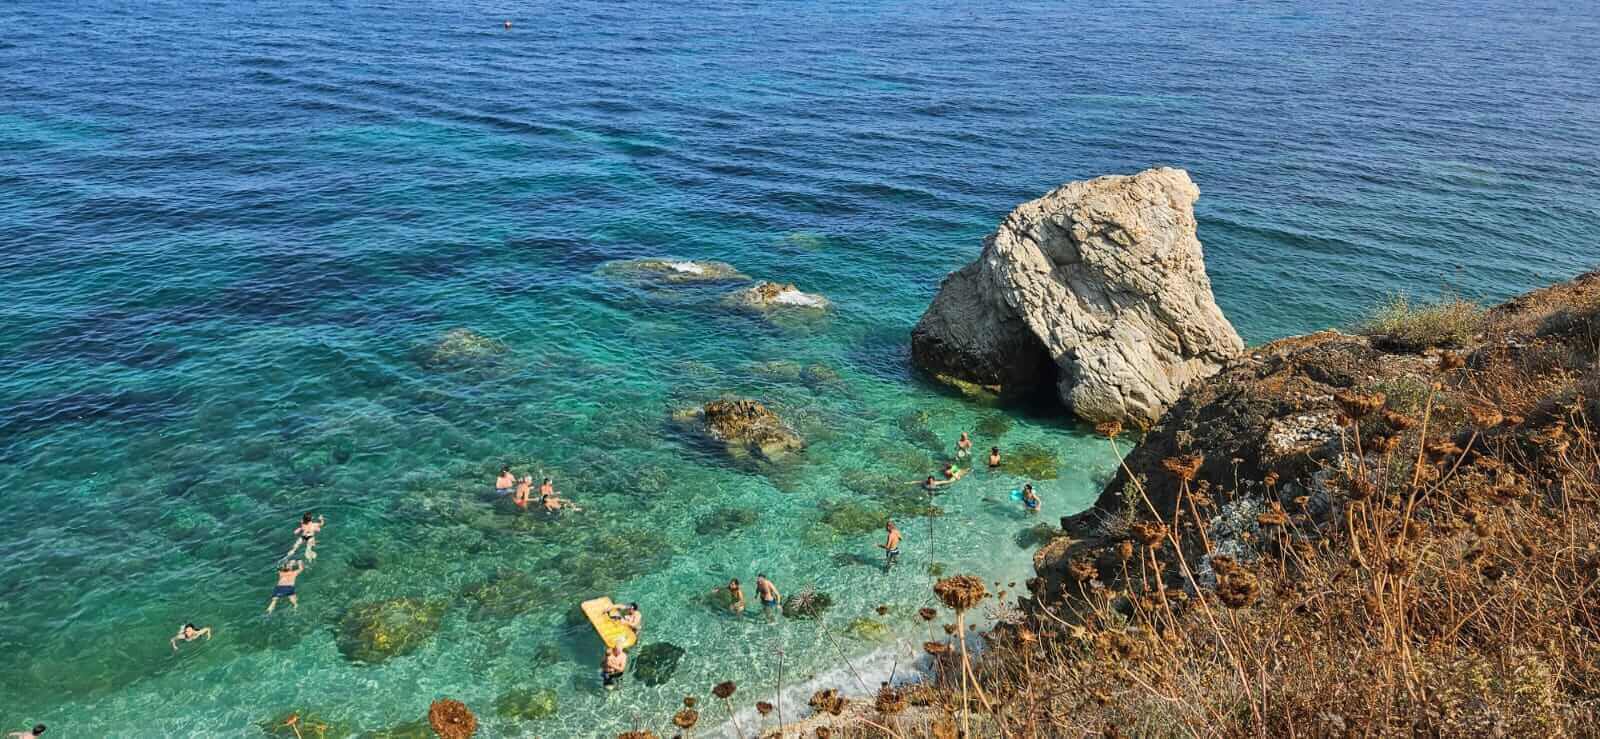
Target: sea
x=259 y=259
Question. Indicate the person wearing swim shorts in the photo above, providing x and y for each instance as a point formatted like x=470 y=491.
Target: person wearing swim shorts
x=769 y=595
x=285 y=588
x=505 y=482
x=1030 y=499
x=890 y=547
x=612 y=665
x=306 y=534
x=188 y=633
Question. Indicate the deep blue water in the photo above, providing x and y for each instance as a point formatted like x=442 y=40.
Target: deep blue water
x=230 y=237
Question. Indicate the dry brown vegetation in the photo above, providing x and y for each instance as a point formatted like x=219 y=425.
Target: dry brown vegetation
x=1433 y=569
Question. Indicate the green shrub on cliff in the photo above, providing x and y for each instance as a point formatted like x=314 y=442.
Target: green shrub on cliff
x=1406 y=326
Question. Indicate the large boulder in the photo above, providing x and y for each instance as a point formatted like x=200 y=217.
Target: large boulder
x=773 y=295
x=1098 y=288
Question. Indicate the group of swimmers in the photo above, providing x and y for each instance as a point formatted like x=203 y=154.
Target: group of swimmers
x=521 y=490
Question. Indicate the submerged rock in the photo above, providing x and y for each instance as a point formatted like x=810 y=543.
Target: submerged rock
x=376 y=631
x=992 y=426
x=525 y=704
x=1098 y=288
x=849 y=517
x=461 y=347
x=772 y=295
x=1029 y=462
x=506 y=595
x=655 y=663
x=725 y=521
x=674 y=270
x=746 y=430
x=1037 y=535
x=870 y=630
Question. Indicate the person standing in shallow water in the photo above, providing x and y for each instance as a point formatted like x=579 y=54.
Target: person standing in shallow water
x=891 y=546
x=1030 y=499
x=524 y=492
x=994 y=458
x=612 y=665
x=964 y=447
x=768 y=593
x=506 y=480
x=735 y=597
x=285 y=588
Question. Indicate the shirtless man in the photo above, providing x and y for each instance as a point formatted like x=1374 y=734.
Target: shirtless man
x=964 y=447
x=994 y=458
x=524 y=490
x=306 y=534
x=769 y=595
x=890 y=547
x=37 y=730
x=188 y=633
x=285 y=589
x=612 y=665
x=506 y=480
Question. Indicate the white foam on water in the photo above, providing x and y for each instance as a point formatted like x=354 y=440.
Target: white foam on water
x=688 y=267
x=795 y=297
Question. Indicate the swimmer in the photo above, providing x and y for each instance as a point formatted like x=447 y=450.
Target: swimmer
x=506 y=480
x=612 y=665
x=524 y=491
x=37 y=730
x=932 y=486
x=187 y=633
x=508 y=25
x=994 y=458
x=953 y=473
x=736 y=595
x=285 y=589
x=891 y=547
x=769 y=595
x=554 y=503
x=307 y=533
x=547 y=488
x=964 y=447
x=1030 y=499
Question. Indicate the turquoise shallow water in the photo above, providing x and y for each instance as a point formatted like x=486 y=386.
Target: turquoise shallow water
x=230 y=239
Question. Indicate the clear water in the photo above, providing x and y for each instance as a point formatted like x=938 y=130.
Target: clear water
x=229 y=235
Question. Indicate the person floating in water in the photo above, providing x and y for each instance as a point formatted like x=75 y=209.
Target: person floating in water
x=612 y=665
x=307 y=535
x=964 y=447
x=994 y=458
x=630 y=617
x=38 y=729
x=506 y=480
x=932 y=485
x=287 y=572
x=769 y=595
x=524 y=491
x=188 y=633
x=553 y=502
x=891 y=546
x=953 y=472
x=735 y=597
x=1030 y=499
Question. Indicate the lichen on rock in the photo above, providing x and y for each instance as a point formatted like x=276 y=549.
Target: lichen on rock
x=746 y=430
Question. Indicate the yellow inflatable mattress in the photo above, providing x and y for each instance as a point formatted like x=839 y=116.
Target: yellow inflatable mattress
x=611 y=631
